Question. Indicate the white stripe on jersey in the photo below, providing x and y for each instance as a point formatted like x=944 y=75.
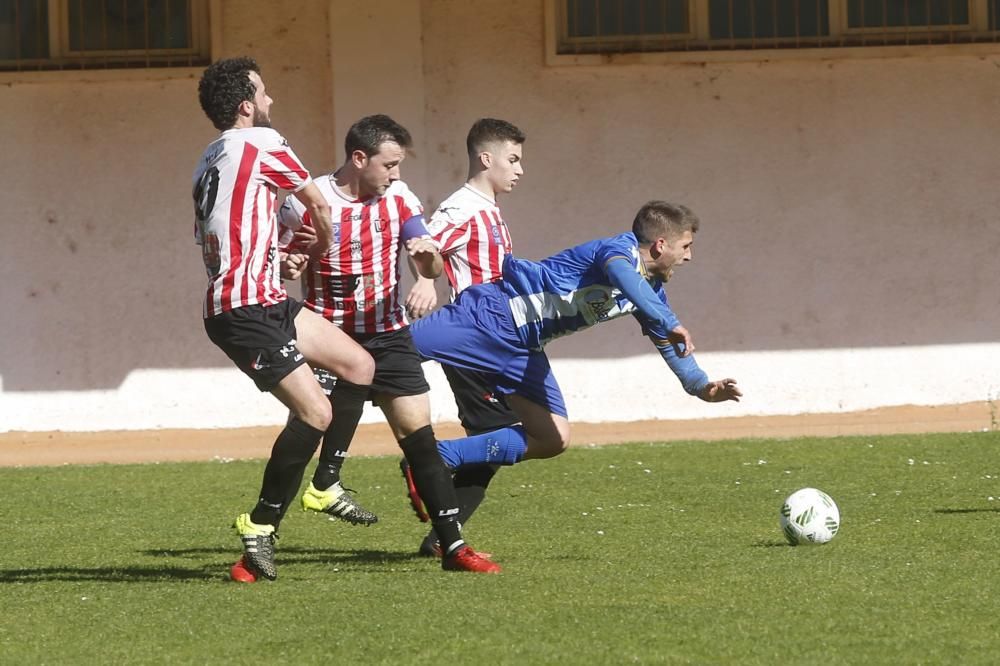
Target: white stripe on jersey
x=473 y=237
x=533 y=308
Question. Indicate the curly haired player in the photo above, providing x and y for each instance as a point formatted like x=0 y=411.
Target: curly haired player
x=247 y=313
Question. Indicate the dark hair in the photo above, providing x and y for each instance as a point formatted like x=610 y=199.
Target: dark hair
x=224 y=85
x=372 y=131
x=491 y=130
x=659 y=219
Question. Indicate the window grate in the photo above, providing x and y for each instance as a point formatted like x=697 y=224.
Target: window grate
x=638 y=26
x=39 y=35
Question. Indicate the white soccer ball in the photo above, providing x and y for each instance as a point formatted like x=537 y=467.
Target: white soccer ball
x=809 y=516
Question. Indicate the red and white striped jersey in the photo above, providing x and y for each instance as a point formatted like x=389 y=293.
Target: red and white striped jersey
x=473 y=237
x=356 y=284
x=235 y=187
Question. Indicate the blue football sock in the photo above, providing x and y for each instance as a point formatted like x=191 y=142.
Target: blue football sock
x=505 y=446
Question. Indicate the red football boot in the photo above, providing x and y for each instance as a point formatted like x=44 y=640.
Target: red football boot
x=466 y=559
x=241 y=573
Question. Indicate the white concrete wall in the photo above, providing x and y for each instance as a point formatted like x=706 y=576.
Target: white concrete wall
x=596 y=390
x=848 y=257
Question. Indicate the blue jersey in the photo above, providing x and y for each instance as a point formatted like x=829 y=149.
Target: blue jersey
x=500 y=328
x=571 y=291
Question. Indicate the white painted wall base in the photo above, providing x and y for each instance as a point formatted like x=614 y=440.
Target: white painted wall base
x=639 y=387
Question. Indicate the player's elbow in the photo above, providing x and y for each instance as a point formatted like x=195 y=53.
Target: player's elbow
x=319 y=209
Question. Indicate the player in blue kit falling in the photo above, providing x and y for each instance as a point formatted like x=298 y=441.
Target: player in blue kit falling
x=502 y=328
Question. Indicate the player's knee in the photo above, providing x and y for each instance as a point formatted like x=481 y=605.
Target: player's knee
x=318 y=414
x=562 y=441
x=552 y=445
x=361 y=370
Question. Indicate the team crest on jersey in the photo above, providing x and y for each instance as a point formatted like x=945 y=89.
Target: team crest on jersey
x=356 y=249
x=599 y=302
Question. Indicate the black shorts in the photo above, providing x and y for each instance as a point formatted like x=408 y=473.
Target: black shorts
x=260 y=340
x=481 y=407
x=397 y=365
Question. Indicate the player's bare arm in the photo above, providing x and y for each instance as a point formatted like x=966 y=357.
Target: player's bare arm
x=319 y=214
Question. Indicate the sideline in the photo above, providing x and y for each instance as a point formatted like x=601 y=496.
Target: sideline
x=146 y=446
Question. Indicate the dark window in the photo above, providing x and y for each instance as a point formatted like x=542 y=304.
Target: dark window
x=593 y=26
x=763 y=19
x=906 y=13
x=24 y=29
x=99 y=25
x=597 y=18
x=89 y=34
x=629 y=26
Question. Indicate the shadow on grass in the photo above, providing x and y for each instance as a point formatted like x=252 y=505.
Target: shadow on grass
x=771 y=544
x=300 y=554
x=984 y=510
x=213 y=571
x=108 y=574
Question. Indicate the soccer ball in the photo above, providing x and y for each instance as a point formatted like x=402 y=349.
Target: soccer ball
x=809 y=516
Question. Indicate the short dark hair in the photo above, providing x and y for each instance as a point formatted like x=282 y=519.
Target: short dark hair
x=372 y=131
x=224 y=85
x=660 y=219
x=490 y=130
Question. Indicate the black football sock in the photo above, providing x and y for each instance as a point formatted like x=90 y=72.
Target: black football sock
x=427 y=545
x=348 y=405
x=290 y=455
x=434 y=483
x=471 y=482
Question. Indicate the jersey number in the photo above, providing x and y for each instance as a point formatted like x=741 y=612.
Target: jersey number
x=204 y=201
x=204 y=195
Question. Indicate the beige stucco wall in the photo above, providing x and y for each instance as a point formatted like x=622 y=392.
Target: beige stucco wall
x=848 y=256
x=100 y=273
x=845 y=203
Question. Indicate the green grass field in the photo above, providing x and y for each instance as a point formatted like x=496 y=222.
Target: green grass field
x=649 y=553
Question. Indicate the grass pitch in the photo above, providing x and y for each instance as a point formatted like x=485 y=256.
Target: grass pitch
x=649 y=553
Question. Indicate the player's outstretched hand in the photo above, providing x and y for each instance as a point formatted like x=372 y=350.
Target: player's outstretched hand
x=720 y=391
x=421 y=299
x=293 y=264
x=681 y=340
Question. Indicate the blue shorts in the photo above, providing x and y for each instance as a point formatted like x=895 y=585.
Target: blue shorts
x=476 y=332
